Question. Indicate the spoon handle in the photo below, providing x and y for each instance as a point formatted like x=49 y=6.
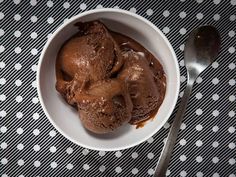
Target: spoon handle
x=166 y=153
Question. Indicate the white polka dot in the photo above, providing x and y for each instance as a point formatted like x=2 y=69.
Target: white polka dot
x=3 y=129
x=231 y=114
x=199 y=127
x=5 y=175
x=134 y=155
x=17 y=17
x=232 y=175
x=199 y=143
x=215 y=97
x=199 y=174
x=118 y=169
x=166 y=13
x=19 y=131
x=164 y=140
x=86 y=167
x=2 y=97
x=18 y=82
x=50 y=20
x=34 y=68
x=181 y=63
x=231 y=66
x=50 y=34
x=3 y=113
x=134 y=171
x=3 y=145
x=33 y=35
x=118 y=154
x=102 y=168
x=199 y=112
x=215 y=81
x=16 y=1
x=199 y=16
x=35 y=100
x=83 y=6
x=4 y=161
x=66 y=5
x=149 y=12
x=36 y=132
x=36 y=116
x=19 y=99
x=199 y=80
x=150 y=140
x=199 y=159
x=2 y=64
x=2 y=32
x=33 y=2
x=215 y=128
x=232 y=17
x=199 y=1
x=34 y=51
x=182 y=142
x=49 y=4
x=215 y=144
x=215 y=64
x=182 y=31
x=182 y=49
x=2 y=48
x=181 y=94
x=167 y=172
x=183 y=126
x=231 y=161
x=183 y=173
x=53 y=149
x=231 y=98
x=102 y=153
x=198 y=95
x=33 y=19
x=166 y=30
x=231 y=50
x=17 y=50
x=34 y=84
x=216 y=17
x=69 y=166
x=133 y=10
x=231 y=145
x=182 y=14
x=19 y=115
x=116 y=7
x=20 y=146
x=231 y=33
x=53 y=165
x=215 y=160
x=17 y=33
x=150 y=155
x=37 y=163
x=231 y=82
x=216 y=175
x=99 y=6
x=52 y=133
x=166 y=125
x=233 y=2
x=20 y=162
x=85 y=151
x=216 y=1
x=1 y=15
x=69 y=150
x=182 y=78
x=231 y=129
x=36 y=147
x=151 y=171
x=18 y=66
x=215 y=113
x=183 y=158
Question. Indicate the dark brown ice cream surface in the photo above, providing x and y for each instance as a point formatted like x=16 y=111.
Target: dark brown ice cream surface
x=109 y=78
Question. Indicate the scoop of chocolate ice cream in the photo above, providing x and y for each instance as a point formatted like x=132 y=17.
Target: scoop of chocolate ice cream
x=105 y=106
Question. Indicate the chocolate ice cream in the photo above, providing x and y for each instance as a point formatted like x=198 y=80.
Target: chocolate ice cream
x=109 y=78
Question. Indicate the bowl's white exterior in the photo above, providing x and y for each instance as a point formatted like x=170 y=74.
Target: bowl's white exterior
x=65 y=118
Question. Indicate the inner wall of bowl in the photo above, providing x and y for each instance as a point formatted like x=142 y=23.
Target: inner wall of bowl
x=65 y=118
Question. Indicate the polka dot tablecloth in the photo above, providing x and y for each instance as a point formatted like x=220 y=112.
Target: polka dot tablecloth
x=31 y=146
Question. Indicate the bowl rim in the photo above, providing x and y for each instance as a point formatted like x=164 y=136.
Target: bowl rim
x=116 y=11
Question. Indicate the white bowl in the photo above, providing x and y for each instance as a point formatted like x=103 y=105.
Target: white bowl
x=66 y=119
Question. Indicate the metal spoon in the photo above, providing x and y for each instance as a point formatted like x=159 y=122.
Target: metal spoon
x=201 y=48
